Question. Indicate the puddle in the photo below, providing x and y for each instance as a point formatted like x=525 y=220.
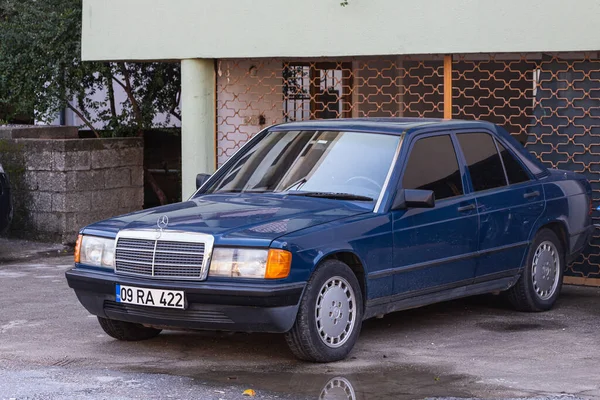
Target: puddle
x=397 y=383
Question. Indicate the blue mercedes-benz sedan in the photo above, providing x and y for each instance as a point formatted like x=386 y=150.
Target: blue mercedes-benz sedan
x=313 y=227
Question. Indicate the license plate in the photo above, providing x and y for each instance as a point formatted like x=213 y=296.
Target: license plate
x=150 y=297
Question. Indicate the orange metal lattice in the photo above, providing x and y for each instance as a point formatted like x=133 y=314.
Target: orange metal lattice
x=550 y=102
x=252 y=94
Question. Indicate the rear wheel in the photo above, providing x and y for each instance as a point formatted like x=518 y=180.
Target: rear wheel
x=127 y=331
x=330 y=315
x=539 y=286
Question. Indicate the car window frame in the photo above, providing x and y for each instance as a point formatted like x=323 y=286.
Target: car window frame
x=496 y=140
x=461 y=166
x=517 y=159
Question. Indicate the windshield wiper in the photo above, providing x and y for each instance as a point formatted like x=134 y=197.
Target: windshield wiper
x=329 y=195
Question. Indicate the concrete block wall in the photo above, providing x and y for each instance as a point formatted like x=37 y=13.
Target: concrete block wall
x=62 y=185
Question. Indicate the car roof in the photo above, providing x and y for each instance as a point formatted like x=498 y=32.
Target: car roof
x=408 y=126
x=383 y=125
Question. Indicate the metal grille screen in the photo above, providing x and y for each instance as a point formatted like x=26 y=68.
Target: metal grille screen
x=551 y=102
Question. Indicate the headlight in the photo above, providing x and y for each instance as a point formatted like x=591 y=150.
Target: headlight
x=250 y=263
x=95 y=251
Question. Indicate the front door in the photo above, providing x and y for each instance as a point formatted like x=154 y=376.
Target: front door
x=435 y=249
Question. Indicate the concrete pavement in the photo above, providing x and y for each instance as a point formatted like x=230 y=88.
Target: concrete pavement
x=474 y=348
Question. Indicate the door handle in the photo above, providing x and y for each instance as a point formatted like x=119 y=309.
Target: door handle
x=529 y=195
x=466 y=208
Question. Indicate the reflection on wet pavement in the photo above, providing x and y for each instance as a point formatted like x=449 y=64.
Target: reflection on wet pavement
x=338 y=388
x=403 y=383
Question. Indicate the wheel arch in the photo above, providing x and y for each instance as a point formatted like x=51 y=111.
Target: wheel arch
x=352 y=260
x=560 y=228
x=557 y=225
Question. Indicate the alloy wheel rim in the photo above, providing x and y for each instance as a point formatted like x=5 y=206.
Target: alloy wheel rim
x=545 y=271
x=335 y=312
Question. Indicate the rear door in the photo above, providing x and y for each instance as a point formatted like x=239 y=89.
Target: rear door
x=509 y=202
x=435 y=248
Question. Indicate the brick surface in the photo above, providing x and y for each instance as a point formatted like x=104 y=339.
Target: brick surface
x=117 y=177
x=85 y=180
x=39 y=161
x=40 y=201
x=72 y=201
x=38 y=132
x=137 y=177
x=106 y=199
x=105 y=159
x=131 y=156
x=131 y=198
x=51 y=181
x=72 y=161
x=49 y=221
x=31 y=181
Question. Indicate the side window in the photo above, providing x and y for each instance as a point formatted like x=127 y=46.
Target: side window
x=483 y=160
x=432 y=165
x=514 y=170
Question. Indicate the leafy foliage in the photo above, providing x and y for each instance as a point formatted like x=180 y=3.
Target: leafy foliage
x=41 y=71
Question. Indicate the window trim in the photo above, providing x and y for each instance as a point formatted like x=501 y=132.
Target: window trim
x=529 y=174
x=501 y=161
x=496 y=140
x=459 y=161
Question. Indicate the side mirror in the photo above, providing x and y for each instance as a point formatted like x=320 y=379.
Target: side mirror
x=201 y=180
x=414 y=198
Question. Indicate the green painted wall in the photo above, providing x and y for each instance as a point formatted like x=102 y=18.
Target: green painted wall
x=182 y=29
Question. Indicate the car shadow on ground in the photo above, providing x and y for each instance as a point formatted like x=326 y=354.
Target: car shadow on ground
x=483 y=311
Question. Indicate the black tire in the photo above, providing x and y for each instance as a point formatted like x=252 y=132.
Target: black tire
x=304 y=339
x=523 y=295
x=127 y=331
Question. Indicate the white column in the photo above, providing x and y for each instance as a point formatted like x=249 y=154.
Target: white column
x=198 y=137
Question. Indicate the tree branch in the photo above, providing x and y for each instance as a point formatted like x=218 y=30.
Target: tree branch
x=173 y=110
x=119 y=82
x=134 y=104
x=83 y=118
x=111 y=100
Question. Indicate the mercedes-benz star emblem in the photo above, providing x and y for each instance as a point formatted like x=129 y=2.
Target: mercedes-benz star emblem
x=162 y=222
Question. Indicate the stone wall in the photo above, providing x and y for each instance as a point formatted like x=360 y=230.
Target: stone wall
x=61 y=185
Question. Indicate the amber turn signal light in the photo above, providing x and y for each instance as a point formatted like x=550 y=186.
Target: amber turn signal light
x=78 y=248
x=279 y=263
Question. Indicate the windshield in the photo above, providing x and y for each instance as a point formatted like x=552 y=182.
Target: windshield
x=299 y=162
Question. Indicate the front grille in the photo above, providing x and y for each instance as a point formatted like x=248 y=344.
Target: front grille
x=161 y=258
x=192 y=314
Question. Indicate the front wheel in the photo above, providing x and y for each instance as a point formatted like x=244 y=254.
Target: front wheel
x=330 y=315
x=541 y=281
x=127 y=331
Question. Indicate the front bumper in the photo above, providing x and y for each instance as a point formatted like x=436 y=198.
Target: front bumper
x=210 y=306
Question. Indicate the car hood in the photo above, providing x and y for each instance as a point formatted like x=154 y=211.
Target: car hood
x=236 y=219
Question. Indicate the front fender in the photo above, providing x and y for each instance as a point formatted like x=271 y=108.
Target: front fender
x=368 y=237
